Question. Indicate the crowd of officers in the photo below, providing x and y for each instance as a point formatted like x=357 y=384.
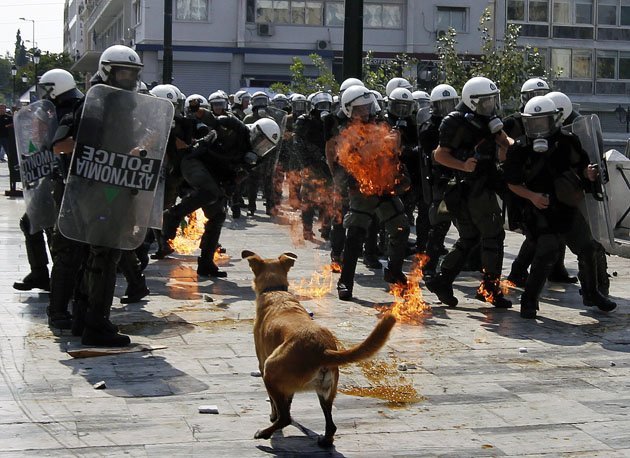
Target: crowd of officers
x=456 y=155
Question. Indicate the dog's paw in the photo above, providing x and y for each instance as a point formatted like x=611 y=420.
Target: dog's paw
x=262 y=434
x=273 y=417
x=325 y=441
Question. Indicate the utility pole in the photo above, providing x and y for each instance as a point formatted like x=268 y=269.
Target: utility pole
x=353 y=39
x=167 y=62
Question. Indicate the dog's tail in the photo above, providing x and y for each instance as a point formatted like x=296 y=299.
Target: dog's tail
x=365 y=349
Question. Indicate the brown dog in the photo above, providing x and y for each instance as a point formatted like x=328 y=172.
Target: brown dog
x=294 y=352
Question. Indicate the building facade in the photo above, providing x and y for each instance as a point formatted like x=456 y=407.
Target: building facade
x=221 y=44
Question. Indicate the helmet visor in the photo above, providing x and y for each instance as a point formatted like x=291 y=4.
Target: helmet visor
x=44 y=90
x=487 y=105
x=299 y=106
x=539 y=126
x=444 y=107
x=400 y=108
x=526 y=96
x=218 y=106
x=281 y=103
x=323 y=106
x=363 y=111
x=421 y=103
x=259 y=101
x=261 y=145
x=125 y=77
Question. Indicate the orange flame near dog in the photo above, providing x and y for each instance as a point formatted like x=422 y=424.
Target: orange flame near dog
x=409 y=306
x=488 y=295
x=370 y=153
x=317 y=286
x=187 y=239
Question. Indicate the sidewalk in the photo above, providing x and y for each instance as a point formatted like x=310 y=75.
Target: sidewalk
x=485 y=382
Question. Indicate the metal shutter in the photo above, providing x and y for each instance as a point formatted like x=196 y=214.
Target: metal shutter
x=201 y=77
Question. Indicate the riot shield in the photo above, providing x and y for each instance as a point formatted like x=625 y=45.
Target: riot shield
x=618 y=192
x=155 y=219
x=35 y=127
x=595 y=206
x=280 y=116
x=120 y=146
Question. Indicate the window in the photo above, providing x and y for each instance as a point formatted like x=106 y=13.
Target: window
x=624 y=66
x=606 y=64
x=573 y=12
x=289 y=12
x=575 y=63
x=624 y=18
x=528 y=10
x=451 y=17
x=191 y=10
x=335 y=14
x=137 y=12
x=607 y=12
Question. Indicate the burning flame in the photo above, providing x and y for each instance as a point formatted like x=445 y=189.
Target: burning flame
x=187 y=239
x=220 y=258
x=409 y=306
x=371 y=155
x=318 y=285
x=496 y=284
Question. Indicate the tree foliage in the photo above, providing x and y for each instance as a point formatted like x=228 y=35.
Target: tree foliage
x=302 y=84
x=376 y=74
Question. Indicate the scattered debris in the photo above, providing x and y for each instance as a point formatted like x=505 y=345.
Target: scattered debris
x=612 y=364
x=402 y=367
x=99 y=385
x=255 y=374
x=207 y=298
x=522 y=350
x=208 y=409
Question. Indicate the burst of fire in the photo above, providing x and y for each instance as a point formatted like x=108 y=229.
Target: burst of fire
x=409 y=306
x=371 y=155
x=220 y=258
x=488 y=294
x=187 y=239
x=317 y=286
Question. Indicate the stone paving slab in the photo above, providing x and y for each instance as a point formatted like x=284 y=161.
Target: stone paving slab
x=487 y=383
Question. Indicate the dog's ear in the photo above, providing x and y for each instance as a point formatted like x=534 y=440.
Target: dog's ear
x=287 y=260
x=247 y=254
x=255 y=261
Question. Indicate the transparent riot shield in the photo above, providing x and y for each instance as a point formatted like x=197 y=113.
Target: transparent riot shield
x=115 y=169
x=595 y=206
x=35 y=127
x=155 y=219
x=423 y=115
x=271 y=160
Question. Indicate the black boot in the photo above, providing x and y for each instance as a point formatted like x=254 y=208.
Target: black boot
x=559 y=273
x=170 y=222
x=490 y=291
x=344 y=291
x=136 y=282
x=603 y=279
x=79 y=309
x=529 y=307
x=442 y=286
x=393 y=276
x=591 y=296
x=100 y=332
x=518 y=273
x=351 y=252
x=136 y=291
x=206 y=266
x=38 y=278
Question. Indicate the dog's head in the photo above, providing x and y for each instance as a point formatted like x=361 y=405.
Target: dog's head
x=269 y=273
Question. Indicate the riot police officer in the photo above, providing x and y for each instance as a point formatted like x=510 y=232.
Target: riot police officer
x=548 y=168
x=241 y=103
x=468 y=144
x=435 y=177
x=359 y=105
x=259 y=103
x=315 y=176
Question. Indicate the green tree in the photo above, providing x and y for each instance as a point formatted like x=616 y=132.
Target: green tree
x=376 y=74
x=452 y=67
x=21 y=58
x=302 y=84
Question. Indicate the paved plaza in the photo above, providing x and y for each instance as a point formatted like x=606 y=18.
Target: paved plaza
x=479 y=381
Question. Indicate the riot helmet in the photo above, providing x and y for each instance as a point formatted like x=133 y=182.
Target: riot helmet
x=198 y=99
x=321 y=101
x=358 y=102
x=260 y=99
x=218 y=103
x=400 y=103
x=280 y=101
x=165 y=91
x=181 y=98
x=120 y=66
x=242 y=98
x=422 y=99
x=395 y=83
x=57 y=84
x=142 y=88
x=380 y=101
x=444 y=99
x=540 y=120
x=481 y=96
x=563 y=103
x=533 y=87
x=349 y=82
x=264 y=135
x=299 y=105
